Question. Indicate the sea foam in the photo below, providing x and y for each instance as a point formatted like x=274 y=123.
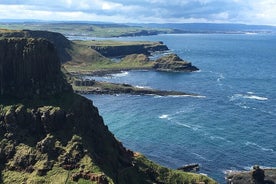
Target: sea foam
x=247 y=96
x=122 y=74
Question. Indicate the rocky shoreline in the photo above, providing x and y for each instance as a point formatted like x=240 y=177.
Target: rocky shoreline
x=257 y=175
x=96 y=87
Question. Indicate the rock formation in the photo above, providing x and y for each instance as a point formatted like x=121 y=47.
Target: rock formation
x=256 y=176
x=172 y=62
x=29 y=67
x=60 y=42
x=128 y=49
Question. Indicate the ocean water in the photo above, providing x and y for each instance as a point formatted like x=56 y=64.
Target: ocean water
x=231 y=126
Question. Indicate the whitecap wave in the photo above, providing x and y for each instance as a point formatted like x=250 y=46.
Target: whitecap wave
x=164 y=116
x=200 y=156
x=142 y=87
x=178 y=96
x=247 y=96
x=217 y=137
x=193 y=127
x=193 y=96
x=248 y=168
x=122 y=74
x=252 y=144
x=255 y=97
x=221 y=77
x=184 y=125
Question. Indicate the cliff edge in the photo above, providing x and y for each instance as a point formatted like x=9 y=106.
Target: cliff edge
x=48 y=134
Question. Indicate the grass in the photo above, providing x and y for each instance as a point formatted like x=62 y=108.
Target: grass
x=85 y=59
x=165 y=175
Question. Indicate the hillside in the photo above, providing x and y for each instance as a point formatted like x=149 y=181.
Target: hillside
x=51 y=135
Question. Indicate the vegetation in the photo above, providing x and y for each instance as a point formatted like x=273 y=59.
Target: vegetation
x=52 y=135
x=88 y=29
x=87 y=60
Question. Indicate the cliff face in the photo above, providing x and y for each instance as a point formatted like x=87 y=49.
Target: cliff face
x=123 y=50
x=172 y=62
x=29 y=67
x=48 y=134
x=61 y=43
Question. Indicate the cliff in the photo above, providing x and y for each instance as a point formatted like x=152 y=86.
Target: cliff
x=120 y=49
x=25 y=73
x=60 y=42
x=48 y=134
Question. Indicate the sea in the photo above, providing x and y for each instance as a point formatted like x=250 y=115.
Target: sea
x=230 y=126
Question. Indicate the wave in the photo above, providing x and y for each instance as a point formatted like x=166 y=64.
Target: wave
x=195 y=128
x=252 y=144
x=200 y=156
x=122 y=74
x=248 y=96
x=248 y=168
x=179 y=96
x=217 y=137
x=221 y=77
x=255 y=97
x=142 y=87
x=164 y=116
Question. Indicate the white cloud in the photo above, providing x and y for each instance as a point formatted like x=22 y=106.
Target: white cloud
x=233 y=11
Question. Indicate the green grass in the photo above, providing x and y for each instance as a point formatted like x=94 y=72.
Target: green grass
x=170 y=176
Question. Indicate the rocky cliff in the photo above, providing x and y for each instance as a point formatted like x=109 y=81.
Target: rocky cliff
x=60 y=42
x=128 y=49
x=48 y=134
x=26 y=72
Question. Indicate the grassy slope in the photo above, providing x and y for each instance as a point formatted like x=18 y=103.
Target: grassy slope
x=85 y=59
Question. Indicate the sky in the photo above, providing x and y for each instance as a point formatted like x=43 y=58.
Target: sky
x=258 y=12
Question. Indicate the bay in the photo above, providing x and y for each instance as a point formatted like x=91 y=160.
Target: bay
x=230 y=127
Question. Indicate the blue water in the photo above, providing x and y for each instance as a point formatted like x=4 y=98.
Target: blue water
x=230 y=127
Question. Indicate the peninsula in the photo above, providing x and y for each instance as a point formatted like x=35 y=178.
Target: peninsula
x=81 y=58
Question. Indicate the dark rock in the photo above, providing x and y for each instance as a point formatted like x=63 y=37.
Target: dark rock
x=84 y=82
x=94 y=177
x=258 y=174
x=29 y=67
x=46 y=145
x=172 y=62
x=123 y=50
x=60 y=42
x=189 y=168
x=255 y=176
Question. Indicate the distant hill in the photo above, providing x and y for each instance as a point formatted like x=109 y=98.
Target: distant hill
x=211 y=27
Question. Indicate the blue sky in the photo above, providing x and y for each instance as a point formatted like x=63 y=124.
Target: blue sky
x=143 y=11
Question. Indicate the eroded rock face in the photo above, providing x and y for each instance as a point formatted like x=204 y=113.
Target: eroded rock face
x=60 y=42
x=172 y=62
x=29 y=67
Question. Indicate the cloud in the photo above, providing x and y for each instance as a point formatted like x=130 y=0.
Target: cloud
x=228 y=11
